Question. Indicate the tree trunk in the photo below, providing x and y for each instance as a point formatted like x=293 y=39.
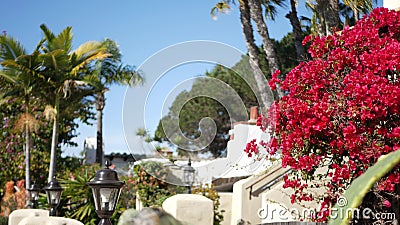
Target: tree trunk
x=100 y=103
x=320 y=8
x=54 y=140
x=262 y=29
x=248 y=32
x=27 y=151
x=27 y=161
x=332 y=15
x=297 y=32
x=356 y=14
x=257 y=15
x=253 y=52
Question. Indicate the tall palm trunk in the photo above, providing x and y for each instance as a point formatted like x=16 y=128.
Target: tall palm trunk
x=248 y=32
x=356 y=14
x=27 y=151
x=297 y=33
x=54 y=139
x=253 y=51
x=319 y=24
x=332 y=13
x=100 y=103
x=262 y=29
x=257 y=15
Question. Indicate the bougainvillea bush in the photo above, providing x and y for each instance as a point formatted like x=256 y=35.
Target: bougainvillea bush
x=341 y=113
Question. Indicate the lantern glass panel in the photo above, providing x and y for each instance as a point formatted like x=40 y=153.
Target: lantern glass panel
x=34 y=195
x=188 y=177
x=53 y=197
x=106 y=198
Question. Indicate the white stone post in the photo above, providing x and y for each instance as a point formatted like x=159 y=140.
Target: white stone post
x=192 y=209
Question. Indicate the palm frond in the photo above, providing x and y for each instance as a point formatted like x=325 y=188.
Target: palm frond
x=221 y=7
x=87 y=53
x=4 y=98
x=26 y=121
x=270 y=7
x=63 y=40
x=49 y=36
x=10 y=75
x=130 y=76
x=49 y=112
x=56 y=60
x=10 y=48
x=88 y=48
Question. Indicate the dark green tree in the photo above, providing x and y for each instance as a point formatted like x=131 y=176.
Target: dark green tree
x=190 y=107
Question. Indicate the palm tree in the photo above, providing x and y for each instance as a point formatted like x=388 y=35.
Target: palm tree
x=358 y=7
x=318 y=21
x=297 y=31
x=256 y=13
x=101 y=75
x=63 y=70
x=21 y=71
x=252 y=49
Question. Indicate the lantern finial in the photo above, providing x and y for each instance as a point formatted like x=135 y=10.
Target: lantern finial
x=107 y=164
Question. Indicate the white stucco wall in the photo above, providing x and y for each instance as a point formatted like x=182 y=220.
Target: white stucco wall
x=391 y=4
x=225 y=201
x=245 y=207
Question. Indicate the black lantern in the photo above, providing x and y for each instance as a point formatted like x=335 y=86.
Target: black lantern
x=188 y=176
x=33 y=192
x=106 y=188
x=53 y=191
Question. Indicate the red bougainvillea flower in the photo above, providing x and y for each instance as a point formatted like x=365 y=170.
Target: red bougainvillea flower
x=342 y=110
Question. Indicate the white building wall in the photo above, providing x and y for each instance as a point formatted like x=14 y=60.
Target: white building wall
x=90 y=146
x=244 y=206
x=225 y=201
x=391 y=4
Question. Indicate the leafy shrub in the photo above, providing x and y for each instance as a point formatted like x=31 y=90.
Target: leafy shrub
x=152 y=191
x=211 y=194
x=3 y=220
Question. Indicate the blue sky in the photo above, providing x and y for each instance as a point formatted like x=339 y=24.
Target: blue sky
x=141 y=28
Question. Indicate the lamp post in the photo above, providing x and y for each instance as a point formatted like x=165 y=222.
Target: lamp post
x=53 y=191
x=33 y=192
x=188 y=176
x=106 y=188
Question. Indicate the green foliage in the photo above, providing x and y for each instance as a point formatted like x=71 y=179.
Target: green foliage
x=150 y=189
x=197 y=106
x=286 y=52
x=12 y=142
x=211 y=194
x=77 y=200
x=3 y=220
x=127 y=198
x=361 y=185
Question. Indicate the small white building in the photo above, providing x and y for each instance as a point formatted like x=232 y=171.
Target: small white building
x=89 y=150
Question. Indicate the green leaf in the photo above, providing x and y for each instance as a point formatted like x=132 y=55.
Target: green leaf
x=360 y=186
